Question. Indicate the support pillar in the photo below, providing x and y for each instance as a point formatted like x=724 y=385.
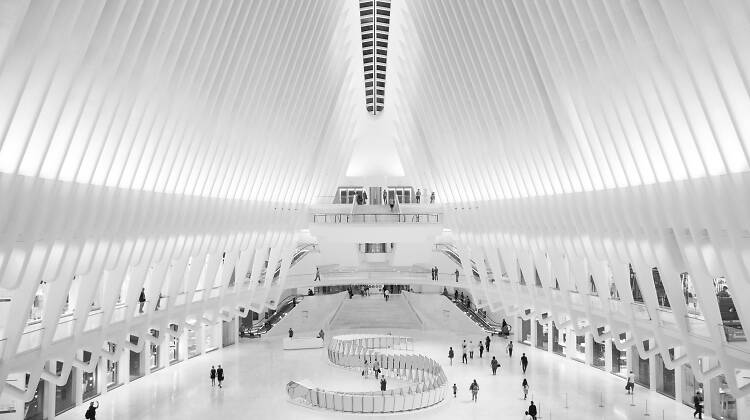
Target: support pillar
x=589 y=356
x=652 y=376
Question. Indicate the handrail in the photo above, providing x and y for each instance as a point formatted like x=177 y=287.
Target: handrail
x=483 y=323
x=367 y=218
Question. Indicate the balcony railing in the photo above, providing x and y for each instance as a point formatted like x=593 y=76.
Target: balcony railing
x=412 y=218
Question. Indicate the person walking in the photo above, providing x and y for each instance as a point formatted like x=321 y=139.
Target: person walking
x=418 y=195
x=437 y=274
x=391 y=203
x=212 y=375
x=455 y=390
x=532 y=410
x=487 y=343
x=464 y=347
x=525 y=387
x=291 y=332
x=366 y=369
x=385 y=197
x=630 y=385
x=474 y=387
x=317 y=274
x=698 y=404
x=364 y=197
x=450 y=355
x=376 y=368
x=432 y=198
x=432 y=273
x=457 y=274
x=455 y=294
x=481 y=348
x=524 y=362
x=220 y=375
x=471 y=349
x=382 y=383
x=387 y=294
x=141 y=300
x=91 y=411
x=510 y=349
x=494 y=364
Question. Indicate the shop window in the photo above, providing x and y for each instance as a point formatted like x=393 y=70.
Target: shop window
x=174 y=350
x=558 y=340
x=90 y=379
x=542 y=335
x=619 y=359
x=135 y=361
x=526 y=331
x=228 y=334
x=665 y=376
x=642 y=375
x=579 y=350
x=113 y=370
x=598 y=359
x=34 y=409
x=723 y=403
x=192 y=339
x=154 y=359
x=64 y=398
x=690 y=386
x=37 y=305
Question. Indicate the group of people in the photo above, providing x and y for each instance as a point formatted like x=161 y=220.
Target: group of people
x=376 y=370
x=218 y=374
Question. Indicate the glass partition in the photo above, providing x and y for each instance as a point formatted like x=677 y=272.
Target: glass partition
x=90 y=379
x=64 y=398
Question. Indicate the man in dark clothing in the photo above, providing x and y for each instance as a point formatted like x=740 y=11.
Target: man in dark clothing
x=524 y=362
x=450 y=355
x=494 y=364
x=532 y=410
x=487 y=343
x=457 y=275
x=91 y=412
x=698 y=404
x=212 y=375
x=432 y=273
x=418 y=195
x=382 y=383
x=455 y=294
x=436 y=274
x=291 y=333
x=385 y=197
x=220 y=375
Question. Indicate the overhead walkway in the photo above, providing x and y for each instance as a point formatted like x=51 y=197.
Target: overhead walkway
x=375 y=312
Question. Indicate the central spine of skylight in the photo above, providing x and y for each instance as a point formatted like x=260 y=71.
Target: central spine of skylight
x=375 y=17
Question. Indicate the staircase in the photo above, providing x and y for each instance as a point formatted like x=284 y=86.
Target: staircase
x=375 y=312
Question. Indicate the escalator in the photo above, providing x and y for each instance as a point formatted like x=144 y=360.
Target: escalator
x=451 y=252
x=483 y=322
x=286 y=306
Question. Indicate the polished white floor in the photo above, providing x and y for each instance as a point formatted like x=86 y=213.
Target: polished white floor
x=257 y=372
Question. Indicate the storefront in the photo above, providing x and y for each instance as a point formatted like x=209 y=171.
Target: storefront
x=228 y=333
x=64 y=397
x=525 y=336
x=34 y=408
x=135 y=361
x=558 y=340
x=174 y=350
x=641 y=371
x=579 y=350
x=619 y=360
x=153 y=355
x=90 y=379
x=689 y=385
x=193 y=348
x=665 y=378
x=113 y=370
x=542 y=335
x=210 y=337
x=723 y=404
x=599 y=354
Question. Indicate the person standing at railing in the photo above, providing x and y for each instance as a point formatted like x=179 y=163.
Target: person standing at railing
x=391 y=202
x=432 y=198
x=418 y=195
x=364 y=197
x=141 y=300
